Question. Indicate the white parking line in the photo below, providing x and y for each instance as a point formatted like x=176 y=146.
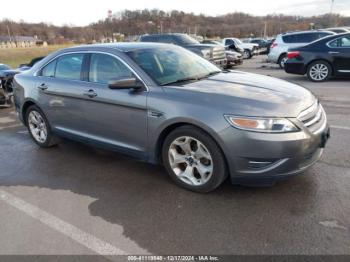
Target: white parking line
x=12 y=126
x=341 y=127
x=97 y=245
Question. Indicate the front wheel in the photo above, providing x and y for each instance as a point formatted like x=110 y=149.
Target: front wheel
x=247 y=54
x=319 y=71
x=193 y=159
x=39 y=128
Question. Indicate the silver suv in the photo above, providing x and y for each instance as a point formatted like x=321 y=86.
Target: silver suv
x=279 y=48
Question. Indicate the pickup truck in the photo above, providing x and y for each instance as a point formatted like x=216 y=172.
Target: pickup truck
x=250 y=49
x=214 y=53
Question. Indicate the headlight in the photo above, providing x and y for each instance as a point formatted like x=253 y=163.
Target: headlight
x=206 y=53
x=266 y=125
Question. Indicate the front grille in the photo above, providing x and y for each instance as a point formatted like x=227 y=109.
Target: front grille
x=313 y=118
x=219 y=53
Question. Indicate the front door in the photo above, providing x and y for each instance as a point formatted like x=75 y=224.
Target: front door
x=117 y=118
x=339 y=49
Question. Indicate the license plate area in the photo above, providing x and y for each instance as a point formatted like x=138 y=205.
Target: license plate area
x=324 y=137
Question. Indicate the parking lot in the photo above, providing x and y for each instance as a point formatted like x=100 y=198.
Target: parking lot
x=74 y=199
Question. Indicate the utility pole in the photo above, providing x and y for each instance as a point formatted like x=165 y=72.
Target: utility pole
x=161 y=26
x=8 y=32
x=331 y=13
x=265 y=29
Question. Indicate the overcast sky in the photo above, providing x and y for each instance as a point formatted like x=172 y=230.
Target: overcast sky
x=78 y=12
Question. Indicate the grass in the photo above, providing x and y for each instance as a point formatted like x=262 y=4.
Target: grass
x=16 y=56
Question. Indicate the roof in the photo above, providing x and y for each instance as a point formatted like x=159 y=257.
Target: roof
x=125 y=46
x=308 y=31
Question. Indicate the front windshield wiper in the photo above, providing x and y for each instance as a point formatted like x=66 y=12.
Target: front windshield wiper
x=181 y=80
x=192 y=78
x=209 y=75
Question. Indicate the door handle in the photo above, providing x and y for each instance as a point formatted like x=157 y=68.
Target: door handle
x=332 y=52
x=43 y=87
x=90 y=93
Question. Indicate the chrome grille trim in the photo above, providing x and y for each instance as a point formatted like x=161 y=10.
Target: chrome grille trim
x=313 y=118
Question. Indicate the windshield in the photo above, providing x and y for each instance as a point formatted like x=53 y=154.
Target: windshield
x=238 y=41
x=169 y=66
x=186 y=40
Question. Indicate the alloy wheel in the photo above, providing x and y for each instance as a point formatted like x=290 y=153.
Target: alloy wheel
x=190 y=160
x=37 y=126
x=319 y=72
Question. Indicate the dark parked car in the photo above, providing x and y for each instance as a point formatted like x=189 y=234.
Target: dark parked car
x=213 y=53
x=31 y=63
x=322 y=59
x=5 y=97
x=164 y=104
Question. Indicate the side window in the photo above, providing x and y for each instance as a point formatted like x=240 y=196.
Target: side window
x=341 y=42
x=49 y=69
x=148 y=39
x=321 y=35
x=69 y=66
x=290 y=39
x=229 y=42
x=167 y=39
x=306 y=38
x=104 y=67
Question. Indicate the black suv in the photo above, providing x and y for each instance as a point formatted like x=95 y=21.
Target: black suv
x=213 y=53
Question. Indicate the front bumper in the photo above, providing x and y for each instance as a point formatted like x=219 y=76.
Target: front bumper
x=233 y=62
x=254 y=156
x=220 y=62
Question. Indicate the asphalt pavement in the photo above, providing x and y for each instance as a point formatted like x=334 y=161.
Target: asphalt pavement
x=77 y=200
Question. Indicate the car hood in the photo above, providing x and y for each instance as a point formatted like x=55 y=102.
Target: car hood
x=248 y=94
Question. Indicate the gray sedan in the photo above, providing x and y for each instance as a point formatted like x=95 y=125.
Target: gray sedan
x=163 y=104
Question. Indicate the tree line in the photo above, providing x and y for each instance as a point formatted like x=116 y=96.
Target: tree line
x=133 y=23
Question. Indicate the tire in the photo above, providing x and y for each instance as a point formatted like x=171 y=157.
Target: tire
x=42 y=135
x=282 y=60
x=319 y=71
x=202 y=170
x=247 y=54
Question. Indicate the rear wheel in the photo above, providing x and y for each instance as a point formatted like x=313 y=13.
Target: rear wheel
x=39 y=128
x=193 y=159
x=319 y=71
x=282 y=60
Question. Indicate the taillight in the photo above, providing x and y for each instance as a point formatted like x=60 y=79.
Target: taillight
x=274 y=44
x=293 y=54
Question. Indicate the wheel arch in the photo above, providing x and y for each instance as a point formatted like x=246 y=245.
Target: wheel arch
x=280 y=56
x=319 y=59
x=169 y=128
x=28 y=103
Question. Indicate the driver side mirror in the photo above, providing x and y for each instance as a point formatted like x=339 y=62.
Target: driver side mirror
x=125 y=83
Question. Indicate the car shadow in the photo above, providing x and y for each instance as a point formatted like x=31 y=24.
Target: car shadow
x=159 y=216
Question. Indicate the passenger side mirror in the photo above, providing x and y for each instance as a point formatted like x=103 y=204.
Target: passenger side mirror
x=125 y=83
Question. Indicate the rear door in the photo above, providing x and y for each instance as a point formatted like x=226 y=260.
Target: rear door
x=61 y=92
x=339 y=50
